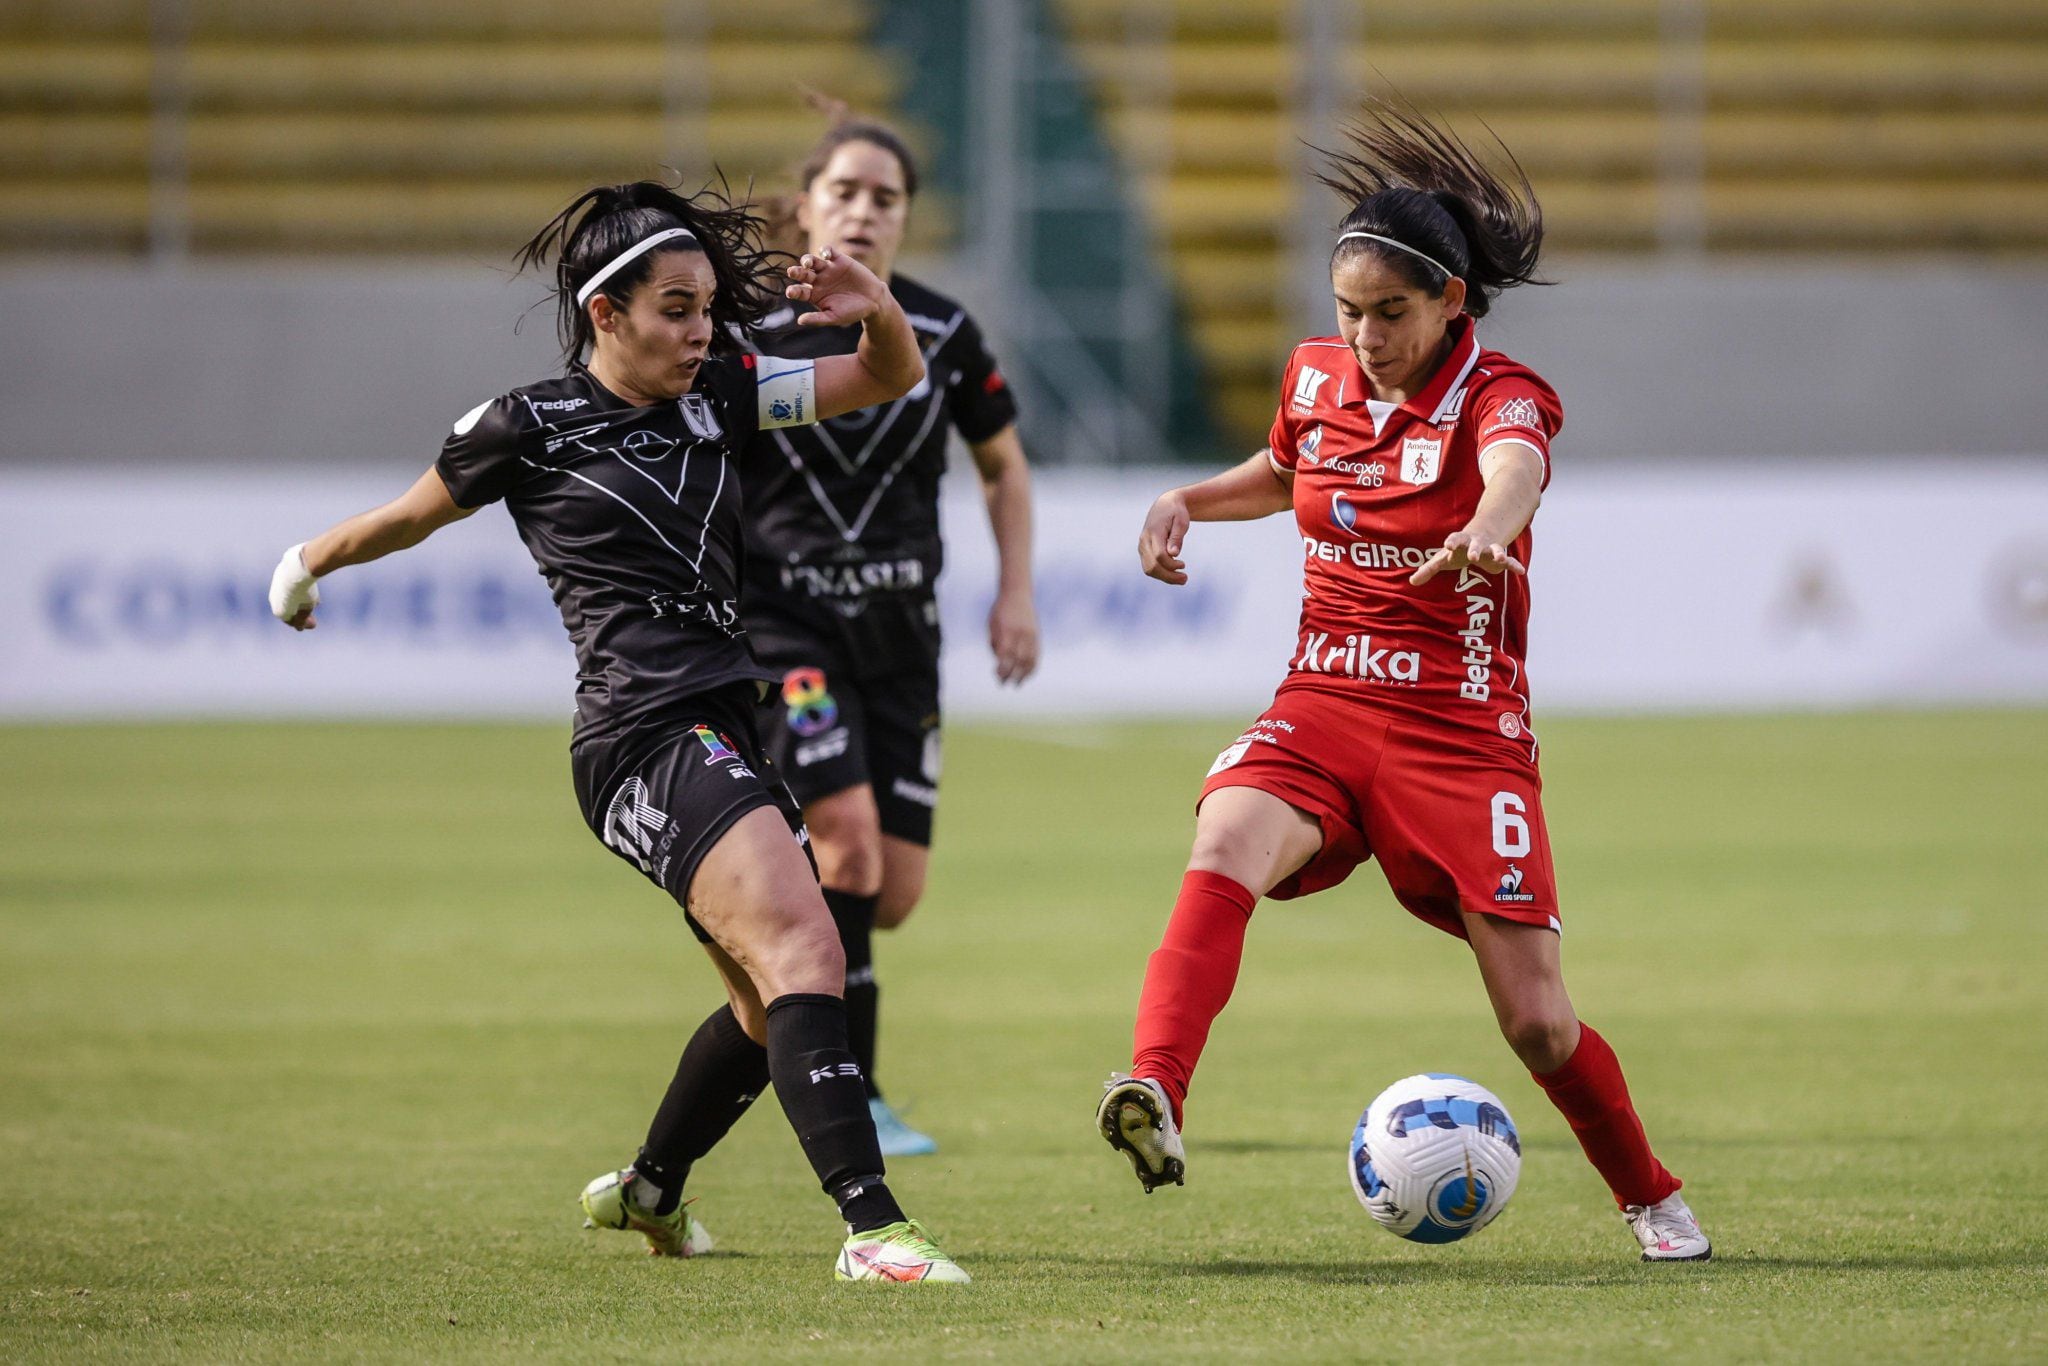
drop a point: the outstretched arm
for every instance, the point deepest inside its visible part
(1242, 493)
(400, 524)
(1006, 487)
(888, 363)
(1513, 472)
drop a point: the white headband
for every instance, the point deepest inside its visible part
(618, 262)
(1400, 246)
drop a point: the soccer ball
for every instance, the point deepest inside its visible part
(1435, 1158)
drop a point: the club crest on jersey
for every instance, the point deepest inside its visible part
(1310, 447)
(699, 417)
(1306, 384)
(1421, 459)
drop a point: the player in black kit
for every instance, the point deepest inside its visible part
(621, 479)
(842, 553)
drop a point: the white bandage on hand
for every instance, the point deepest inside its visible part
(292, 589)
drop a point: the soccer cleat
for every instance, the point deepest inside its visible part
(608, 1203)
(1137, 1119)
(896, 1252)
(897, 1138)
(1668, 1232)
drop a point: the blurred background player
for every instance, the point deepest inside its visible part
(843, 554)
(619, 476)
(1413, 460)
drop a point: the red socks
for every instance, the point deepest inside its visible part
(1590, 1092)
(1188, 980)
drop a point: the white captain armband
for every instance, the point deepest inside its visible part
(786, 391)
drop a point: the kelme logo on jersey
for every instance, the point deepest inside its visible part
(1309, 448)
(1305, 386)
(1510, 889)
(811, 708)
(1355, 657)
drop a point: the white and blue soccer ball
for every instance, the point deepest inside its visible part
(1435, 1158)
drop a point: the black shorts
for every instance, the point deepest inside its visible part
(661, 796)
(836, 722)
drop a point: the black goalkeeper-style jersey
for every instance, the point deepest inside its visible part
(845, 514)
(633, 515)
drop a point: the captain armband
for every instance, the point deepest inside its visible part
(786, 392)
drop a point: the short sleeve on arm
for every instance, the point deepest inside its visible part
(978, 398)
(480, 459)
(1280, 442)
(1519, 410)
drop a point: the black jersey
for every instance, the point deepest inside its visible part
(846, 512)
(633, 515)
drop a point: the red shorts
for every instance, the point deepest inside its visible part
(1456, 823)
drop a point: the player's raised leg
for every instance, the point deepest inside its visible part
(1246, 840)
(755, 895)
(1524, 977)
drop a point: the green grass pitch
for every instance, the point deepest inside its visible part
(309, 1036)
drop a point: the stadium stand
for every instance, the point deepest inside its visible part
(392, 126)
(1789, 126)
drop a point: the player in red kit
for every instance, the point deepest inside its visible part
(1413, 460)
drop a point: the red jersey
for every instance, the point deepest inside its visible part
(1377, 487)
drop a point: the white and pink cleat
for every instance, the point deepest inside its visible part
(1668, 1231)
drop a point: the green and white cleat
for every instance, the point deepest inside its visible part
(897, 1138)
(608, 1203)
(1137, 1120)
(896, 1252)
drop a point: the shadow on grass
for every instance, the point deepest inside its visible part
(1261, 1145)
(1511, 1272)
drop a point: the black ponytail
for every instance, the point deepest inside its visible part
(604, 221)
(1411, 181)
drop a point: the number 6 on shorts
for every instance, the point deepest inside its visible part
(1510, 829)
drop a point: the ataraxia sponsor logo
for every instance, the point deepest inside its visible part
(1361, 554)
(1479, 614)
(1309, 448)
(1367, 474)
(1355, 656)
(1306, 384)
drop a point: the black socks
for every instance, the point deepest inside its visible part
(855, 917)
(721, 1072)
(823, 1093)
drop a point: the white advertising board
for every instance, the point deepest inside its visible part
(1718, 586)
